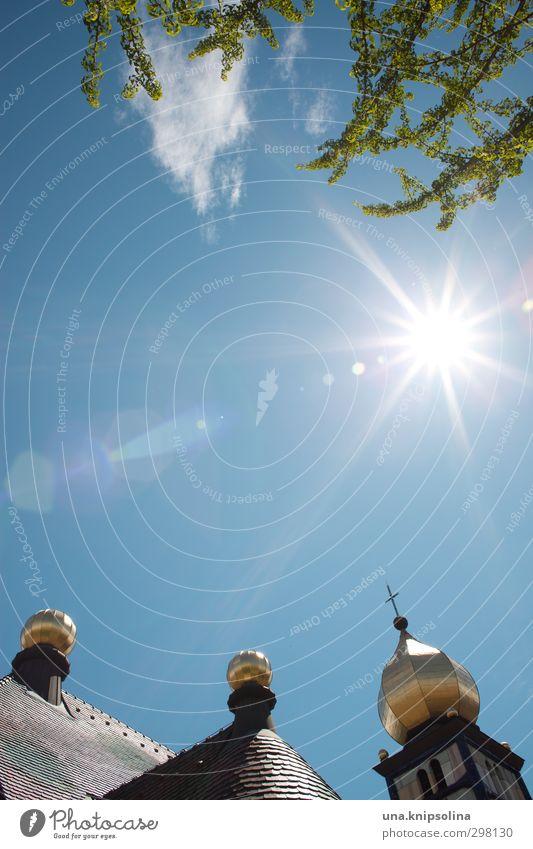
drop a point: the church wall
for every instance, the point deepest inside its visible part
(466, 793)
(451, 763)
(498, 779)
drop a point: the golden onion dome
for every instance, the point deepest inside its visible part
(420, 683)
(249, 667)
(50, 628)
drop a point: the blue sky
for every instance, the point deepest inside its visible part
(177, 256)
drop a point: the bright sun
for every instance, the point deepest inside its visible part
(439, 339)
(436, 338)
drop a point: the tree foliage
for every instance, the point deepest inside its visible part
(226, 26)
(394, 61)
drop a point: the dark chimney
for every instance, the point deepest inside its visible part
(42, 668)
(251, 705)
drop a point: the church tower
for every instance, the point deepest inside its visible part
(429, 704)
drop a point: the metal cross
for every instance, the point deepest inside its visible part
(391, 597)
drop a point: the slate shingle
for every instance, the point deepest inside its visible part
(49, 752)
(261, 766)
(74, 751)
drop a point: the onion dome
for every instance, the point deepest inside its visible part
(49, 628)
(249, 667)
(421, 683)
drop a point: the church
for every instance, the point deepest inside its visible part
(54, 745)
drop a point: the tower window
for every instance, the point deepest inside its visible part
(501, 780)
(438, 774)
(492, 772)
(425, 785)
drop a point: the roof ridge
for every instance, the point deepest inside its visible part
(118, 721)
(209, 739)
(6, 679)
(258, 765)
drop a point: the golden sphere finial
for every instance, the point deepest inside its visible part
(249, 667)
(383, 754)
(51, 628)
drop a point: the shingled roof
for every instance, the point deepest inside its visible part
(258, 766)
(70, 751)
(54, 745)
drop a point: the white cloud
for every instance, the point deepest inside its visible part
(319, 114)
(318, 110)
(293, 46)
(199, 118)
